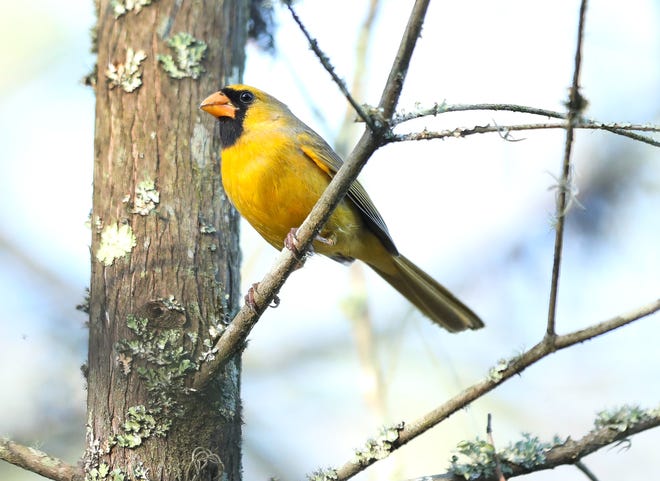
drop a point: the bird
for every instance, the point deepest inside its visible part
(274, 168)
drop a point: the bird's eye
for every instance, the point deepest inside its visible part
(246, 97)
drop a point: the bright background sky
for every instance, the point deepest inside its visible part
(475, 213)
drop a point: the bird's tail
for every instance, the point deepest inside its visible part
(431, 298)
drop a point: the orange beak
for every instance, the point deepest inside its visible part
(218, 105)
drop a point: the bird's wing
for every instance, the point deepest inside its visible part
(317, 150)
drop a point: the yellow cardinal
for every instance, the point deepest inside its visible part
(275, 168)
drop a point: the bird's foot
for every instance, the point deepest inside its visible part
(249, 298)
(291, 242)
(252, 303)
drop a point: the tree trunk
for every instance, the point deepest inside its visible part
(165, 250)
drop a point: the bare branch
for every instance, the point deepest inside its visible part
(504, 130)
(233, 338)
(394, 84)
(38, 462)
(623, 129)
(576, 105)
(502, 372)
(459, 132)
(437, 109)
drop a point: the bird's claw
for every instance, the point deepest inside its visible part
(249, 298)
(291, 242)
(252, 303)
(324, 240)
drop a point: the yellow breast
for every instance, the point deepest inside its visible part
(271, 183)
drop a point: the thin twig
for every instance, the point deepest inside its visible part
(233, 338)
(394, 84)
(38, 462)
(623, 129)
(575, 106)
(460, 132)
(437, 109)
(489, 433)
(325, 61)
(504, 129)
(587, 472)
(497, 376)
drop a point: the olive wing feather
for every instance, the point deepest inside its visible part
(319, 152)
